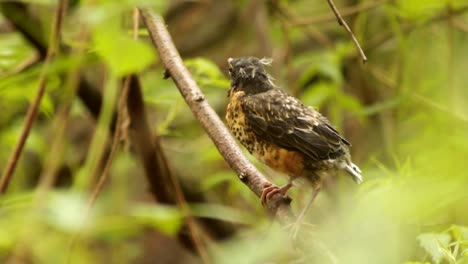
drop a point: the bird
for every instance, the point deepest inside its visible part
(281, 131)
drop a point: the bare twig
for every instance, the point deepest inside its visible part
(213, 125)
(118, 126)
(344, 12)
(115, 143)
(343, 23)
(34, 107)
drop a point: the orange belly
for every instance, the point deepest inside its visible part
(281, 160)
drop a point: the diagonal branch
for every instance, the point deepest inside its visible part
(343, 23)
(208, 118)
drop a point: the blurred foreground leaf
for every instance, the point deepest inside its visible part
(164, 218)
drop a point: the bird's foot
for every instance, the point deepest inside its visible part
(270, 190)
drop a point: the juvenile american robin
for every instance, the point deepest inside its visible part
(282, 132)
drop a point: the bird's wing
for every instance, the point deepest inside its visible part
(288, 123)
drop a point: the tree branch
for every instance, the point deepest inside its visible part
(344, 12)
(343, 23)
(146, 146)
(213, 125)
(34, 107)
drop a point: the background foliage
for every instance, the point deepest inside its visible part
(405, 112)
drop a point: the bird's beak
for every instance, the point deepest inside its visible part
(230, 61)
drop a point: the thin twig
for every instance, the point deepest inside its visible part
(34, 107)
(343, 23)
(208, 118)
(344, 13)
(115, 143)
(118, 127)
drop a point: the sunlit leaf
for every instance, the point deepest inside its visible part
(66, 211)
(435, 244)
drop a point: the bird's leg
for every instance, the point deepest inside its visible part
(271, 190)
(299, 220)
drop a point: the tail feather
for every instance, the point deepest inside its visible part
(355, 172)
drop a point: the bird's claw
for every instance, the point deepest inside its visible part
(270, 190)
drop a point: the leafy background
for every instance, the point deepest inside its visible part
(405, 112)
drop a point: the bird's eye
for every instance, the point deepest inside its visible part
(230, 70)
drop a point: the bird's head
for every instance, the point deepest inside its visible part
(248, 74)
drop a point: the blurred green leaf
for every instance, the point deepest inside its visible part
(420, 8)
(164, 218)
(206, 73)
(221, 212)
(216, 179)
(98, 13)
(65, 211)
(318, 93)
(13, 51)
(435, 244)
(122, 54)
(349, 103)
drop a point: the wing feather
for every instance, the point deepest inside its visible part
(288, 123)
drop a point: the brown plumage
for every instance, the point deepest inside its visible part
(279, 130)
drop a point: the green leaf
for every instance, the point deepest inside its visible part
(206, 73)
(65, 211)
(121, 53)
(216, 179)
(98, 13)
(381, 106)
(13, 51)
(420, 8)
(317, 94)
(221, 212)
(459, 232)
(435, 244)
(349, 103)
(164, 218)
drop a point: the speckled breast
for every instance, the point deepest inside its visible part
(279, 159)
(236, 122)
